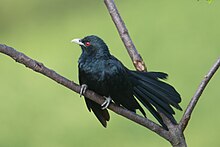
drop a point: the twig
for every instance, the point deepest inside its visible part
(40, 68)
(188, 112)
(125, 37)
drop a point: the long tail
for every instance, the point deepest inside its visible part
(155, 95)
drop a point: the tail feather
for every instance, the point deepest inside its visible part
(155, 94)
(153, 78)
(139, 96)
(158, 93)
(161, 89)
(154, 75)
(164, 108)
(155, 100)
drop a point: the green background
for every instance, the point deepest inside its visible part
(177, 37)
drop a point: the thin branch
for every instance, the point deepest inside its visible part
(188, 112)
(40, 68)
(125, 37)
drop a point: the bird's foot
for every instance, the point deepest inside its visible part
(106, 103)
(83, 89)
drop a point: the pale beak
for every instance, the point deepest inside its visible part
(77, 41)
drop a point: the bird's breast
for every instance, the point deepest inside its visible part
(104, 77)
(93, 70)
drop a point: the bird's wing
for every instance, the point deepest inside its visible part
(102, 115)
(121, 89)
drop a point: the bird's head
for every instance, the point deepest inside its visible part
(92, 45)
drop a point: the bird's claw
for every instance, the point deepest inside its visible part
(106, 103)
(83, 89)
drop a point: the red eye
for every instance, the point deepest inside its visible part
(87, 44)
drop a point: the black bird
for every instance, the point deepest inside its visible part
(104, 74)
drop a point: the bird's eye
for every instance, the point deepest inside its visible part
(87, 44)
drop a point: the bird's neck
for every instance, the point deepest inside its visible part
(89, 58)
(102, 54)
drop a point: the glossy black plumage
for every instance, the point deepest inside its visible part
(107, 76)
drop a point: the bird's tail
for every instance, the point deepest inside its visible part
(155, 95)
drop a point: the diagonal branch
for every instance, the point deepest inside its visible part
(125, 37)
(40, 68)
(188, 112)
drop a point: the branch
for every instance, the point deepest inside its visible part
(125, 37)
(40, 68)
(188, 112)
(176, 136)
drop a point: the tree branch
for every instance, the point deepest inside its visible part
(40, 68)
(188, 112)
(176, 136)
(125, 37)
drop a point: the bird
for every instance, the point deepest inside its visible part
(104, 74)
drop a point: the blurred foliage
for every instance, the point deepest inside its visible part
(209, 1)
(172, 36)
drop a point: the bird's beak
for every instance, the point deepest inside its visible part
(77, 41)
